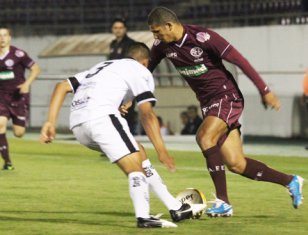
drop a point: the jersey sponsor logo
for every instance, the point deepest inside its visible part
(172, 55)
(7, 75)
(192, 71)
(203, 37)
(9, 63)
(80, 103)
(19, 53)
(208, 108)
(156, 42)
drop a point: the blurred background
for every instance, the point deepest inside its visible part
(68, 36)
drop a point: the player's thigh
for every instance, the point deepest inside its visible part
(131, 163)
(232, 151)
(3, 124)
(19, 131)
(209, 132)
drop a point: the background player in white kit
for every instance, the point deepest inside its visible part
(97, 123)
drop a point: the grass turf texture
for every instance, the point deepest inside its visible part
(68, 189)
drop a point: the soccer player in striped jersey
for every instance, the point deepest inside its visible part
(99, 95)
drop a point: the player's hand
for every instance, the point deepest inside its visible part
(270, 100)
(123, 110)
(24, 88)
(168, 161)
(48, 133)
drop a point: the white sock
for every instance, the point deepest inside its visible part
(139, 193)
(158, 187)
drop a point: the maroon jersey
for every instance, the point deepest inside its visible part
(198, 58)
(12, 68)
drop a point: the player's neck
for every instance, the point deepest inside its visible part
(4, 50)
(179, 32)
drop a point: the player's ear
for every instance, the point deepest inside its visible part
(169, 26)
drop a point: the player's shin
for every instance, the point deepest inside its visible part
(157, 185)
(4, 149)
(259, 171)
(216, 169)
(139, 193)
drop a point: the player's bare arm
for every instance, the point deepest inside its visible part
(48, 131)
(34, 72)
(151, 126)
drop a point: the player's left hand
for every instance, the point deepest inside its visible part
(270, 100)
(168, 161)
(48, 133)
(24, 88)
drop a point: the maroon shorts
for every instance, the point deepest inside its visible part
(15, 106)
(228, 108)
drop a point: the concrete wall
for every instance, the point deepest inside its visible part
(279, 53)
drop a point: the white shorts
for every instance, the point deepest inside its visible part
(109, 134)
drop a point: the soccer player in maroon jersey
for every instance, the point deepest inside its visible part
(14, 90)
(197, 53)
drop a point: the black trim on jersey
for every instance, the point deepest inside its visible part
(146, 95)
(122, 133)
(74, 82)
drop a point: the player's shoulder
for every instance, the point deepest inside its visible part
(200, 33)
(135, 67)
(17, 51)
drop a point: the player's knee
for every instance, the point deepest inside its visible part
(206, 140)
(19, 133)
(236, 167)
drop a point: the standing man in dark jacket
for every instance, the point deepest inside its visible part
(122, 42)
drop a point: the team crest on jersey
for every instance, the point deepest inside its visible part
(203, 37)
(19, 53)
(196, 52)
(9, 63)
(156, 42)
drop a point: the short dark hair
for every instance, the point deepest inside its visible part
(138, 50)
(119, 20)
(161, 16)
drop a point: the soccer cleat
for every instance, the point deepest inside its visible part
(186, 211)
(153, 222)
(8, 167)
(295, 190)
(220, 209)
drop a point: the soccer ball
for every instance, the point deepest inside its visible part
(192, 196)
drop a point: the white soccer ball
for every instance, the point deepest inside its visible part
(192, 196)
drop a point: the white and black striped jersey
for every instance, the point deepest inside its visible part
(101, 90)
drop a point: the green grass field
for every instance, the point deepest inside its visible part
(67, 189)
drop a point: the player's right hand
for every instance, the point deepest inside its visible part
(168, 161)
(48, 133)
(271, 100)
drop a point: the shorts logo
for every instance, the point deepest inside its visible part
(202, 37)
(206, 109)
(196, 52)
(9, 62)
(19, 53)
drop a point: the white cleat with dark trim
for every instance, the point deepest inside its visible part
(154, 222)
